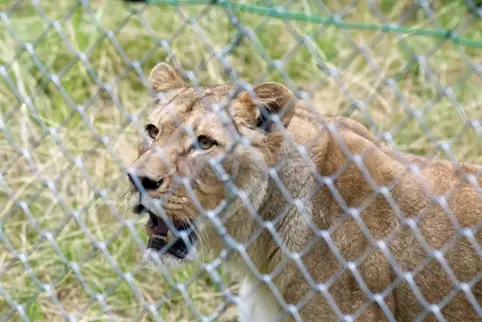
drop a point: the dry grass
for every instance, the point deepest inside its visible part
(44, 189)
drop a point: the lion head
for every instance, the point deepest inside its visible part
(204, 150)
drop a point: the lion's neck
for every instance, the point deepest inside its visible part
(276, 218)
(296, 203)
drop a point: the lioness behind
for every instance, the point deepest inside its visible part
(318, 219)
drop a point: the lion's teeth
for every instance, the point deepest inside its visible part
(160, 237)
(166, 238)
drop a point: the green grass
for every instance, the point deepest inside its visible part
(107, 65)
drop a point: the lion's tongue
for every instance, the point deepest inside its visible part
(160, 229)
(156, 226)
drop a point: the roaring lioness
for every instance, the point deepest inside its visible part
(318, 219)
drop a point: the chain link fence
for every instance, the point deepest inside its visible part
(74, 98)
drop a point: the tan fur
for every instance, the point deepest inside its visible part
(373, 240)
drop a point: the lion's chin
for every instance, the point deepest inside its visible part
(158, 260)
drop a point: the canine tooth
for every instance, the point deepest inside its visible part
(169, 236)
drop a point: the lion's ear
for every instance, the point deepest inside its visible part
(164, 79)
(270, 98)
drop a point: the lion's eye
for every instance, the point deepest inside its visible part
(205, 142)
(152, 131)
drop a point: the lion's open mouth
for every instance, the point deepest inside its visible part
(160, 235)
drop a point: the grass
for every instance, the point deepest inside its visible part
(68, 120)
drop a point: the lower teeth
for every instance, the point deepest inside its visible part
(165, 238)
(159, 237)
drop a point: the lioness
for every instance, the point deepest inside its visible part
(318, 219)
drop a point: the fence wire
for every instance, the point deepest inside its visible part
(74, 100)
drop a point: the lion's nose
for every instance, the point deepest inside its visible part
(144, 181)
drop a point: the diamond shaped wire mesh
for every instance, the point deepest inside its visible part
(74, 99)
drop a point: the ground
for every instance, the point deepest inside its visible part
(63, 147)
